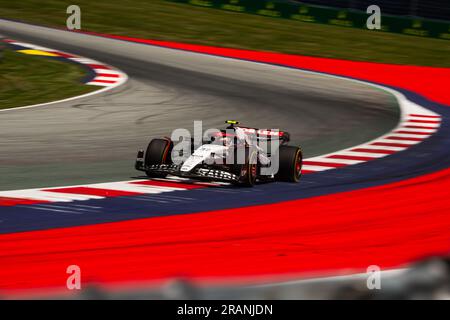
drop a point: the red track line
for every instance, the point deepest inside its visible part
(431, 82)
(355, 229)
(388, 226)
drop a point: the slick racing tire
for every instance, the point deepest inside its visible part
(158, 152)
(290, 164)
(249, 170)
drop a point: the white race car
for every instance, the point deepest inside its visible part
(237, 154)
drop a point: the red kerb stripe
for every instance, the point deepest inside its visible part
(419, 127)
(403, 138)
(95, 191)
(170, 184)
(338, 156)
(104, 81)
(423, 121)
(423, 116)
(63, 54)
(387, 144)
(98, 66)
(413, 132)
(324, 164)
(9, 202)
(373, 150)
(109, 75)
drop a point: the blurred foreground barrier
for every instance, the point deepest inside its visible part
(426, 280)
(333, 16)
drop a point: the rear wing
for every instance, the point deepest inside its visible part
(260, 134)
(267, 133)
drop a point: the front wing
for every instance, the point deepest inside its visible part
(196, 173)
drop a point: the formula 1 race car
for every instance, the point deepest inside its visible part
(237, 154)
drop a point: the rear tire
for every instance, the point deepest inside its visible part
(290, 164)
(158, 152)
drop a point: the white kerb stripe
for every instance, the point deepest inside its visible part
(432, 125)
(406, 135)
(408, 142)
(106, 78)
(332, 160)
(123, 186)
(362, 154)
(101, 84)
(85, 60)
(31, 46)
(375, 147)
(108, 71)
(315, 168)
(417, 130)
(47, 196)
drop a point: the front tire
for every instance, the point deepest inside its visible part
(290, 164)
(158, 152)
(249, 170)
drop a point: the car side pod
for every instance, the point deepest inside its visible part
(139, 164)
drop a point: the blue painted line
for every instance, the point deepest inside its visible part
(431, 155)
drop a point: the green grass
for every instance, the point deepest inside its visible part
(26, 80)
(159, 19)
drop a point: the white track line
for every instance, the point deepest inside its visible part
(412, 116)
(105, 86)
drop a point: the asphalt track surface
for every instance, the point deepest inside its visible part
(95, 139)
(235, 232)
